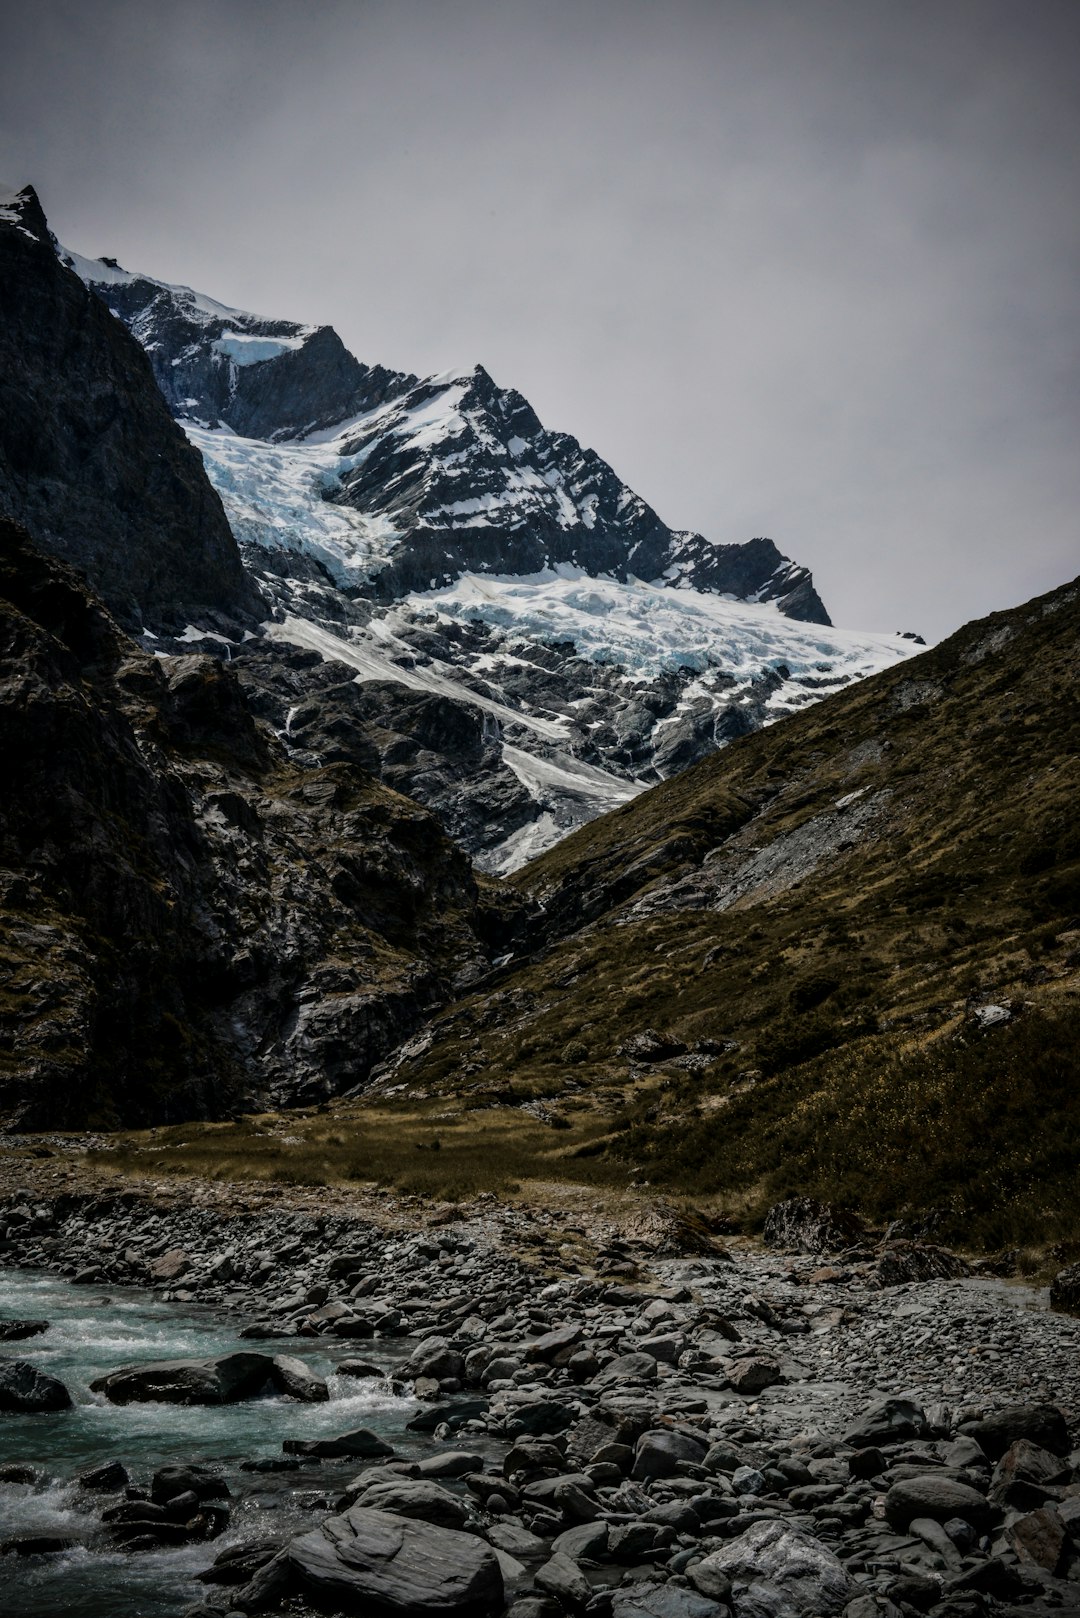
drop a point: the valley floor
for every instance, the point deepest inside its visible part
(641, 1420)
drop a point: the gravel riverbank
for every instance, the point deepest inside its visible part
(618, 1424)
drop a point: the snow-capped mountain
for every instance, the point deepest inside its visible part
(474, 607)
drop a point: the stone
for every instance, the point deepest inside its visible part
(170, 1482)
(634, 1367)
(1040, 1424)
(554, 1342)
(219, 1381)
(238, 1563)
(104, 1479)
(292, 1377)
(16, 1331)
(939, 1499)
(563, 1579)
(1039, 1538)
(585, 1542)
(397, 1567)
(893, 1421)
(361, 1441)
(781, 1572)
(1026, 1463)
(170, 1266)
(902, 1262)
(416, 1497)
(359, 1368)
(662, 1601)
(657, 1453)
(26, 1391)
(1065, 1290)
(450, 1463)
(434, 1358)
(806, 1226)
(754, 1374)
(650, 1046)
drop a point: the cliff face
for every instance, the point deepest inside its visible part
(188, 920)
(90, 458)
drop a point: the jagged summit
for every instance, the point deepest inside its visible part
(204, 355)
(421, 578)
(455, 472)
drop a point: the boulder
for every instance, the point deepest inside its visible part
(16, 1331)
(755, 1373)
(658, 1453)
(1039, 1538)
(663, 1601)
(419, 1498)
(26, 1391)
(650, 1046)
(562, 1578)
(1041, 1424)
(902, 1262)
(292, 1377)
(893, 1421)
(435, 1358)
(806, 1226)
(384, 1566)
(1065, 1290)
(219, 1381)
(172, 1482)
(939, 1499)
(361, 1441)
(780, 1572)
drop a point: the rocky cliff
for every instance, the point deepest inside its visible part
(91, 460)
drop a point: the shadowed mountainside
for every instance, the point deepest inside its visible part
(189, 919)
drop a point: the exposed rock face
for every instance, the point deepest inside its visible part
(512, 498)
(90, 459)
(263, 378)
(189, 916)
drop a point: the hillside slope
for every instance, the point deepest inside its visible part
(843, 955)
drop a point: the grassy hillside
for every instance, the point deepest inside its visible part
(817, 922)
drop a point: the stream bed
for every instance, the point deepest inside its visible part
(93, 1330)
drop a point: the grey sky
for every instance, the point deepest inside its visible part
(806, 268)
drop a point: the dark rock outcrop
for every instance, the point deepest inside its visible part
(90, 459)
(24, 1390)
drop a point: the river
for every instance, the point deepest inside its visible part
(93, 1330)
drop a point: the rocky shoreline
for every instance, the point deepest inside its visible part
(624, 1423)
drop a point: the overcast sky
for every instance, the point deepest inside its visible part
(805, 268)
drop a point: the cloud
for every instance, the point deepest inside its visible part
(805, 270)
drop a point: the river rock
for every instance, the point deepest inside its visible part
(223, 1380)
(781, 1572)
(419, 1498)
(386, 1566)
(755, 1373)
(893, 1421)
(292, 1377)
(562, 1578)
(663, 1601)
(1039, 1538)
(938, 1498)
(1041, 1424)
(16, 1331)
(658, 1453)
(171, 1482)
(361, 1441)
(24, 1390)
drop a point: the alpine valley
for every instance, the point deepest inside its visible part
(442, 905)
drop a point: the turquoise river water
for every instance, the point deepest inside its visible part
(92, 1331)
